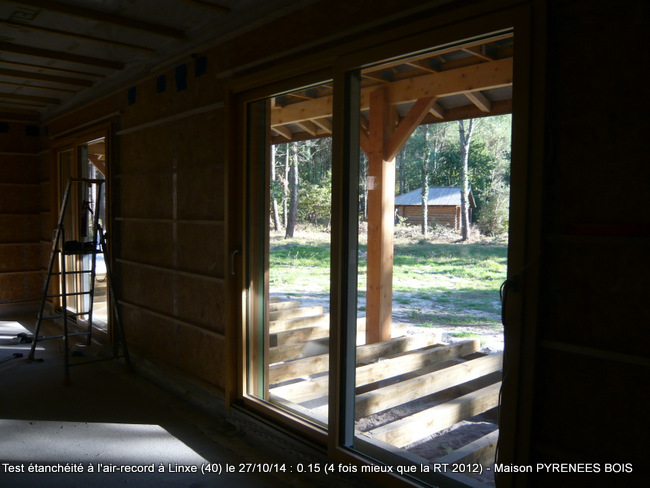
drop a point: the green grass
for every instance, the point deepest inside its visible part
(450, 284)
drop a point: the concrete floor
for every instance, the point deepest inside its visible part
(111, 418)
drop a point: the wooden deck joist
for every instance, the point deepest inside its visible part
(422, 424)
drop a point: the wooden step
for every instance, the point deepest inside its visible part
(422, 424)
(295, 312)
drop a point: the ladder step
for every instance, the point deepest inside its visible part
(58, 273)
(68, 294)
(61, 336)
(60, 315)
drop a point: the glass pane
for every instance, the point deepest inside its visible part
(429, 335)
(92, 161)
(67, 170)
(290, 150)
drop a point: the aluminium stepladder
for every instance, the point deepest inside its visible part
(63, 248)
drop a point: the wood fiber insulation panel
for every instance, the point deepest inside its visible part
(19, 257)
(588, 415)
(20, 228)
(19, 198)
(146, 196)
(146, 242)
(19, 168)
(201, 193)
(16, 141)
(149, 150)
(88, 116)
(18, 287)
(200, 302)
(201, 354)
(200, 248)
(197, 144)
(596, 295)
(151, 335)
(45, 197)
(595, 150)
(146, 287)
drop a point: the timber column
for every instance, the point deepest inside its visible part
(381, 203)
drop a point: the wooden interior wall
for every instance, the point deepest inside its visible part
(169, 201)
(593, 358)
(21, 204)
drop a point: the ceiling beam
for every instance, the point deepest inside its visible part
(473, 78)
(480, 100)
(37, 87)
(64, 80)
(283, 131)
(104, 17)
(52, 68)
(75, 35)
(437, 111)
(9, 47)
(324, 124)
(308, 127)
(29, 98)
(210, 5)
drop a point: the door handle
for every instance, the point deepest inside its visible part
(232, 260)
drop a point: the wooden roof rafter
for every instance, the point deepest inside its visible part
(104, 17)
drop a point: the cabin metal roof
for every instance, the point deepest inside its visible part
(438, 195)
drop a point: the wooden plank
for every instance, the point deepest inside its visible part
(421, 386)
(299, 335)
(407, 125)
(478, 77)
(298, 323)
(64, 80)
(105, 17)
(422, 424)
(296, 351)
(480, 100)
(480, 451)
(319, 363)
(388, 368)
(278, 305)
(297, 312)
(9, 47)
(391, 367)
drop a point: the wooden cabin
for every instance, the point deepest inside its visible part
(443, 206)
(182, 101)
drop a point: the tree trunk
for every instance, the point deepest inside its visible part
(274, 203)
(285, 186)
(465, 141)
(293, 182)
(425, 181)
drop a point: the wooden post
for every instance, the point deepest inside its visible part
(385, 138)
(381, 202)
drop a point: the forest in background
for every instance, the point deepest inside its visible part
(433, 156)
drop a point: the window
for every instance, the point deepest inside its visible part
(85, 157)
(403, 374)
